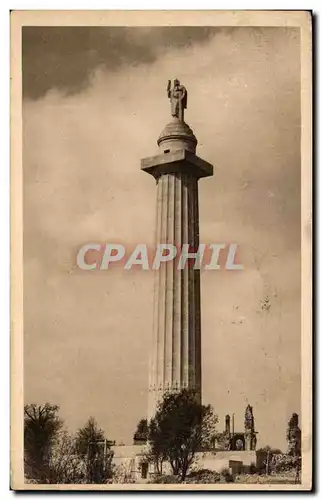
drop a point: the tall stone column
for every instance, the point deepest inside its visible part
(175, 361)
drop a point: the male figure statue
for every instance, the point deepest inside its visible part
(178, 98)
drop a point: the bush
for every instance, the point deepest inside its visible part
(253, 469)
(227, 475)
(283, 462)
(204, 476)
(165, 479)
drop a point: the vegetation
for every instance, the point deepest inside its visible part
(53, 456)
(180, 428)
(142, 430)
(42, 428)
(201, 476)
(294, 440)
(92, 447)
(227, 475)
(266, 458)
(65, 466)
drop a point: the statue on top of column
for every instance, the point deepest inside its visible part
(178, 97)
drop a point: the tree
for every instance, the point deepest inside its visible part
(141, 433)
(95, 450)
(41, 431)
(266, 457)
(157, 452)
(222, 441)
(282, 462)
(66, 466)
(180, 428)
(293, 436)
(294, 439)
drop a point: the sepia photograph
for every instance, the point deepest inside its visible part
(161, 250)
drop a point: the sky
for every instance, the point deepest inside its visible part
(94, 104)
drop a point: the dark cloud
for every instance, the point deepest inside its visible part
(66, 57)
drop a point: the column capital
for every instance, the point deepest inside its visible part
(179, 161)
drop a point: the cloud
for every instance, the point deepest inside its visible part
(66, 58)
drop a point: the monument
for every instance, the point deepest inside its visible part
(176, 343)
(176, 334)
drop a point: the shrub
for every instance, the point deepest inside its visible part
(163, 479)
(253, 469)
(227, 475)
(204, 476)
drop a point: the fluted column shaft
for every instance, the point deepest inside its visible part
(176, 344)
